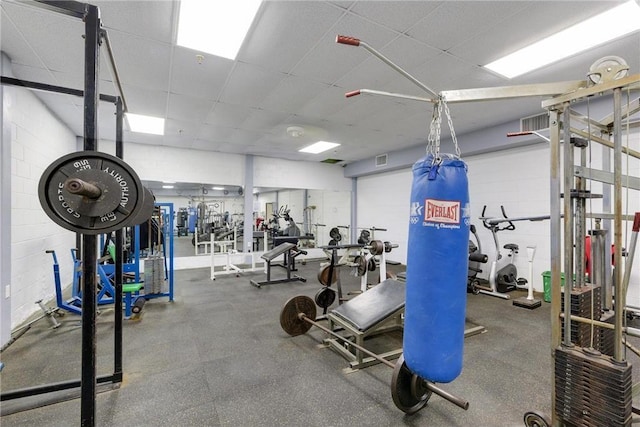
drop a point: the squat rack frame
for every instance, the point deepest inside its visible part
(561, 94)
(93, 36)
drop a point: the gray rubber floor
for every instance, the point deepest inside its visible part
(217, 356)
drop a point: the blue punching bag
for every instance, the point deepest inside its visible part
(437, 262)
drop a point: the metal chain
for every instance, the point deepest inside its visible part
(453, 133)
(433, 146)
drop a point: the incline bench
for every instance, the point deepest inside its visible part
(290, 251)
(372, 312)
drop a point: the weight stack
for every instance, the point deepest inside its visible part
(153, 275)
(591, 389)
(160, 282)
(148, 276)
(581, 305)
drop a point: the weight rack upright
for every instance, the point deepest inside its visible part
(588, 370)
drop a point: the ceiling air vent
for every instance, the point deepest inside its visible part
(331, 161)
(381, 160)
(534, 123)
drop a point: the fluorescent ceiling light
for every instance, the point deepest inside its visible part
(215, 26)
(167, 186)
(168, 182)
(318, 147)
(217, 188)
(612, 24)
(145, 124)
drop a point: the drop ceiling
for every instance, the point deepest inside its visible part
(290, 72)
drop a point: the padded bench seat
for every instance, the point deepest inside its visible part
(373, 306)
(376, 311)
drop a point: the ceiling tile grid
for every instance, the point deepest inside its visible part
(290, 70)
(249, 84)
(153, 20)
(200, 77)
(286, 31)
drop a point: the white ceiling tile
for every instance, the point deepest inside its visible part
(204, 79)
(325, 103)
(151, 19)
(214, 133)
(145, 101)
(43, 31)
(228, 115)
(188, 108)
(141, 62)
(248, 85)
(181, 128)
(328, 61)
(456, 21)
(283, 36)
(388, 14)
(291, 94)
(263, 120)
(547, 17)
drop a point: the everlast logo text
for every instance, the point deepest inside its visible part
(442, 211)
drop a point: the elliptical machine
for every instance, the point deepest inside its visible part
(503, 275)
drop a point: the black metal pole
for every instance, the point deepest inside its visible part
(117, 339)
(89, 254)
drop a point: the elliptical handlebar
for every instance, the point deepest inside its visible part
(493, 224)
(511, 225)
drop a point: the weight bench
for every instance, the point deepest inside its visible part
(290, 252)
(378, 310)
(375, 311)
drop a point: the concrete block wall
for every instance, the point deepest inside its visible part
(38, 138)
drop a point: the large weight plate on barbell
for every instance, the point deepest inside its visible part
(116, 180)
(290, 319)
(407, 393)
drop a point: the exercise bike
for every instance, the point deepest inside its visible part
(503, 274)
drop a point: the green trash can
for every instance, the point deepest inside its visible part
(546, 284)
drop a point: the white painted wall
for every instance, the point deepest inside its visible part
(280, 173)
(38, 138)
(160, 163)
(518, 179)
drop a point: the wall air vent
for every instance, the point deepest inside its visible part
(381, 160)
(534, 123)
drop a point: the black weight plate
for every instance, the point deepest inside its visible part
(334, 233)
(323, 275)
(401, 393)
(106, 169)
(108, 200)
(148, 205)
(371, 265)
(361, 265)
(290, 319)
(325, 297)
